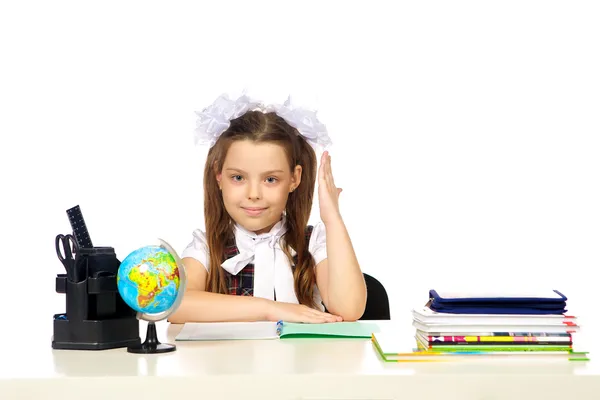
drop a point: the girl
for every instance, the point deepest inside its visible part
(258, 259)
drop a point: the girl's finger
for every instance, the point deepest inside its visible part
(321, 172)
(318, 313)
(322, 315)
(329, 174)
(317, 319)
(330, 317)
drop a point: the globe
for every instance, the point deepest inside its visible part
(151, 280)
(148, 280)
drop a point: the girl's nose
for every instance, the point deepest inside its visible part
(253, 192)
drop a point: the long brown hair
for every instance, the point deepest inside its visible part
(262, 127)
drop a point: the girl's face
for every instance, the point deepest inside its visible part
(256, 182)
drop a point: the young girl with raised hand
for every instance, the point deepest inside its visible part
(258, 259)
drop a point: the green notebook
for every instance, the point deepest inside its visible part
(274, 330)
(361, 330)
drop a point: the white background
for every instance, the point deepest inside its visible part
(465, 133)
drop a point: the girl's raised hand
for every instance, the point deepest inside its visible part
(328, 192)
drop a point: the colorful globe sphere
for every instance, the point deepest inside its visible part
(149, 279)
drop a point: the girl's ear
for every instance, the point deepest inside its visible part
(296, 178)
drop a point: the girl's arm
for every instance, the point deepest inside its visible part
(201, 306)
(339, 277)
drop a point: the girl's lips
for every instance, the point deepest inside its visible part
(253, 211)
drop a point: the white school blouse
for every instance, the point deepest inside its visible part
(273, 276)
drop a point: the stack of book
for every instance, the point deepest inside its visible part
(453, 326)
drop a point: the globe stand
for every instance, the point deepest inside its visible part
(151, 345)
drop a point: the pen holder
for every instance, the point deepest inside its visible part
(96, 316)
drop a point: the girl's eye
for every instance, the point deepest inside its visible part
(272, 179)
(237, 178)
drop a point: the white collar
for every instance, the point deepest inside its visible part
(272, 271)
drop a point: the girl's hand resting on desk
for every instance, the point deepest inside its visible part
(300, 313)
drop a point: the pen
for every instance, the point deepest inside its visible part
(279, 327)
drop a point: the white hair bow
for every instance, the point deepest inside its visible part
(215, 119)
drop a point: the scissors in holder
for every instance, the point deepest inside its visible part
(70, 248)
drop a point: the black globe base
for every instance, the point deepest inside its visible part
(151, 345)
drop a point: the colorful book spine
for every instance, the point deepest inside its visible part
(497, 339)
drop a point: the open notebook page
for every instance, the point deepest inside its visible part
(269, 330)
(329, 330)
(228, 331)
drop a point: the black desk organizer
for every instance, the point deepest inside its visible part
(96, 316)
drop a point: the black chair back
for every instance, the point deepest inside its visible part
(378, 304)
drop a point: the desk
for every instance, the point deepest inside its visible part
(277, 370)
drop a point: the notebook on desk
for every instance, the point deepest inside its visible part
(274, 330)
(400, 347)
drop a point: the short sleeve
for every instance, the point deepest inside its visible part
(317, 245)
(198, 248)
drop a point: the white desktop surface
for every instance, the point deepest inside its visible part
(275, 369)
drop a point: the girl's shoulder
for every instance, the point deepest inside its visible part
(317, 241)
(197, 248)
